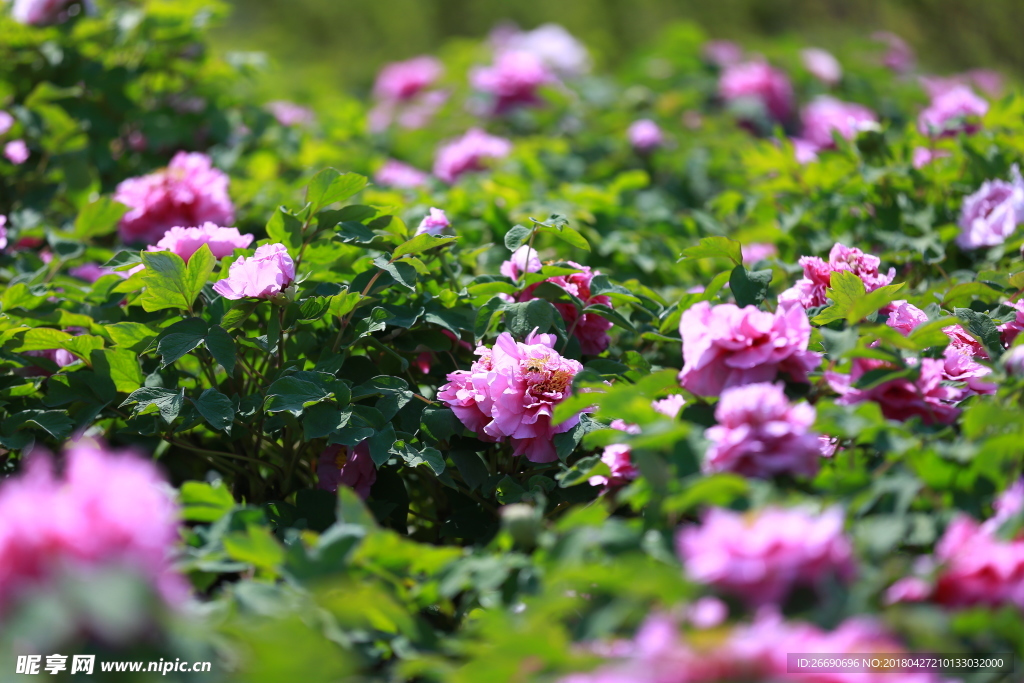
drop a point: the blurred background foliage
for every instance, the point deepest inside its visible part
(342, 43)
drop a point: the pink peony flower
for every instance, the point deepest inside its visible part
(762, 556)
(760, 82)
(396, 174)
(809, 291)
(402, 81)
(722, 53)
(109, 509)
(555, 47)
(954, 110)
(905, 317)
(3, 232)
(670, 406)
(899, 57)
(759, 434)
(757, 251)
(186, 241)
(433, 223)
(468, 153)
(264, 274)
(726, 346)
(42, 12)
(805, 151)
(901, 399)
(645, 136)
(513, 80)
(826, 115)
(338, 465)
(510, 393)
(6, 122)
(924, 156)
(590, 329)
(523, 260)
(91, 272)
(1013, 361)
(1010, 330)
(618, 458)
(822, 65)
(290, 114)
(16, 152)
(188, 193)
(989, 216)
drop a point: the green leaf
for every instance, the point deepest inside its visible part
(172, 284)
(202, 502)
(54, 422)
(573, 237)
(716, 247)
(217, 409)
(238, 314)
(872, 302)
(176, 345)
(523, 318)
(420, 244)
(255, 546)
(846, 288)
(982, 328)
(292, 395)
(328, 186)
(121, 366)
(471, 468)
(381, 444)
(99, 218)
(440, 423)
(749, 287)
(123, 258)
(314, 308)
(323, 419)
(166, 401)
(403, 273)
(517, 236)
(285, 228)
(221, 346)
(132, 336)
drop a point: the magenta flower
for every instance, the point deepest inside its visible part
(3, 232)
(955, 110)
(263, 275)
(469, 153)
(759, 434)
(511, 392)
(16, 152)
(590, 329)
(513, 80)
(762, 556)
(433, 223)
(523, 260)
(722, 53)
(645, 136)
(189, 192)
(822, 65)
(905, 317)
(758, 251)
(924, 156)
(1013, 361)
(6, 122)
(670, 406)
(555, 47)
(901, 399)
(726, 346)
(989, 216)
(618, 457)
(91, 272)
(290, 114)
(402, 81)
(340, 466)
(826, 115)
(760, 82)
(42, 12)
(396, 174)
(809, 291)
(109, 509)
(186, 241)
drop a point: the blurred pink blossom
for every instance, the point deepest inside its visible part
(468, 153)
(722, 53)
(6, 122)
(396, 174)
(513, 80)
(924, 156)
(761, 82)
(618, 458)
(670, 406)
(758, 251)
(433, 223)
(645, 136)
(822, 65)
(16, 152)
(899, 57)
(555, 47)
(523, 260)
(954, 110)
(290, 114)
(925, 396)
(343, 466)
(827, 115)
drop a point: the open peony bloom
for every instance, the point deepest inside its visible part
(989, 216)
(618, 457)
(290, 114)
(726, 346)
(513, 80)
(827, 115)
(523, 260)
(433, 223)
(954, 110)
(189, 192)
(266, 273)
(762, 556)
(809, 291)
(901, 399)
(16, 152)
(822, 65)
(670, 406)
(645, 136)
(511, 391)
(109, 509)
(396, 174)
(759, 434)
(555, 47)
(590, 329)
(186, 241)
(343, 466)
(761, 82)
(468, 153)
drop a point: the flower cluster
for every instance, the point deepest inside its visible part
(809, 291)
(263, 275)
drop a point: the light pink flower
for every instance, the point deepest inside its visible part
(899, 57)
(264, 274)
(722, 53)
(91, 272)
(1009, 331)
(707, 612)
(670, 406)
(396, 174)
(513, 80)
(758, 251)
(924, 156)
(989, 216)
(16, 152)
(6, 122)
(402, 81)
(186, 241)
(188, 193)
(645, 136)
(550, 43)
(805, 151)
(954, 110)
(759, 434)
(828, 445)
(511, 391)
(762, 556)
(433, 223)
(339, 465)
(3, 232)
(760, 82)
(1013, 361)
(523, 260)
(726, 346)
(290, 114)
(989, 81)
(109, 509)
(42, 12)
(618, 457)
(905, 317)
(822, 65)
(809, 291)
(590, 329)
(901, 399)
(469, 153)
(827, 115)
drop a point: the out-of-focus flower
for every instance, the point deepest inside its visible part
(16, 152)
(396, 174)
(91, 272)
(726, 346)
(822, 65)
(550, 43)
(433, 223)
(523, 260)
(670, 406)
(108, 510)
(953, 111)
(810, 290)
(189, 192)
(759, 434)
(722, 53)
(618, 458)
(290, 114)
(513, 80)
(341, 466)
(758, 251)
(3, 232)
(901, 399)
(403, 81)
(707, 612)
(1013, 361)
(990, 215)
(805, 151)
(511, 392)
(264, 274)
(186, 241)
(990, 82)
(924, 156)
(645, 136)
(899, 57)
(762, 556)
(469, 153)
(590, 329)
(6, 122)
(827, 115)
(43, 12)
(760, 82)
